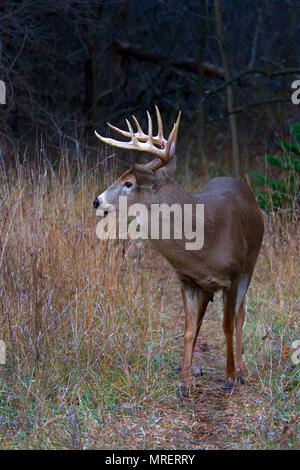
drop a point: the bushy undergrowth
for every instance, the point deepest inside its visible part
(282, 192)
(93, 331)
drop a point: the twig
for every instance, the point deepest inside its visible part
(250, 72)
(252, 105)
(255, 41)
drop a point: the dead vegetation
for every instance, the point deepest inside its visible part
(94, 333)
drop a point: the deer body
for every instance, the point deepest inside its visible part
(233, 232)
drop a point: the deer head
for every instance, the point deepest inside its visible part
(137, 181)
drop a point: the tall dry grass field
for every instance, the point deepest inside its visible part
(94, 332)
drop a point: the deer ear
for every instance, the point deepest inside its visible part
(144, 176)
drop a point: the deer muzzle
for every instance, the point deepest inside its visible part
(102, 207)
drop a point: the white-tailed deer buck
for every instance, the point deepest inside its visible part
(233, 232)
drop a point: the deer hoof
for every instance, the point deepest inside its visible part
(195, 371)
(240, 377)
(183, 391)
(229, 384)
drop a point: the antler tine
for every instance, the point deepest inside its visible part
(138, 126)
(160, 133)
(120, 131)
(134, 139)
(171, 144)
(150, 129)
(147, 143)
(140, 135)
(115, 143)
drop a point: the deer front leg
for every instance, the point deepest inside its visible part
(194, 306)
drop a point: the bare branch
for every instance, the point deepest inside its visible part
(250, 72)
(252, 105)
(187, 63)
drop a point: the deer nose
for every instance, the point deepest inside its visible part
(96, 203)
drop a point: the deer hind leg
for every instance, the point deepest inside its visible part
(228, 328)
(201, 312)
(195, 304)
(239, 322)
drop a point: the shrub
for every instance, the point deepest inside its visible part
(284, 192)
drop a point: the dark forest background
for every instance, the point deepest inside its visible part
(70, 66)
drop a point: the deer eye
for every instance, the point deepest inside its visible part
(128, 184)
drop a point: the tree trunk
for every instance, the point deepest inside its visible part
(230, 95)
(200, 84)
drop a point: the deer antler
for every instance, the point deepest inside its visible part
(158, 145)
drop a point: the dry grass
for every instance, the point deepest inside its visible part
(94, 333)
